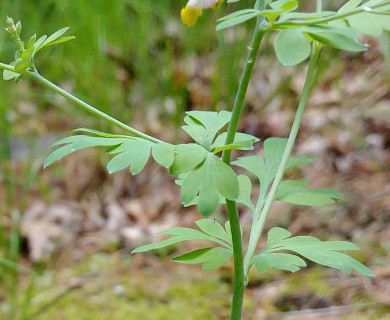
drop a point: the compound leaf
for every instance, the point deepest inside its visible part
(133, 154)
(298, 192)
(281, 261)
(79, 142)
(211, 258)
(213, 228)
(212, 122)
(322, 252)
(187, 156)
(180, 234)
(265, 168)
(209, 180)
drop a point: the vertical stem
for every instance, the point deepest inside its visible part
(307, 88)
(318, 5)
(238, 260)
(239, 275)
(253, 49)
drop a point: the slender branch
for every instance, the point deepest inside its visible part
(332, 17)
(81, 104)
(259, 224)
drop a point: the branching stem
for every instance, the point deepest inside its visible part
(258, 223)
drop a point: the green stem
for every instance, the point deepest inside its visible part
(238, 260)
(241, 91)
(333, 17)
(81, 104)
(318, 6)
(239, 276)
(259, 224)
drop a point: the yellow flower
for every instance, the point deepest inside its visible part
(193, 10)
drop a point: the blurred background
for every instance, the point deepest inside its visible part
(66, 232)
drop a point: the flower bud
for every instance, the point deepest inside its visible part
(11, 28)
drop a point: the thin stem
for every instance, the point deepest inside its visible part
(318, 6)
(259, 224)
(85, 106)
(81, 104)
(238, 105)
(332, 17)
(239, 276)
(238, 260)
(6, 67)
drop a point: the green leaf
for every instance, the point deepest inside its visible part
(181, 234)
(213, 228)
(339, 38)
(211, 258)
(79, 142)
(284, 5)
(39, 42)
(9, 75)
(158, 245)
(366, 23)
(275, 235)
(281, 261)
(163, 153)
(349, 5)
(322, 252)
(133, 154)
(292, 46)
(242, 141)
(264, 168)
(225, 178)
(61, 40)
(194, 257)
(298, 192)
(128, 151)
(196, 131)
(187, 156)
(209, 180)
(193, 234)
(245, 192)
(334, 260)
(212, 122)
(237, 18)
(55, 38)
(220, 257)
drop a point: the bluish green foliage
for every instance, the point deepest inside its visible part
(324, 253)
(210, 230)
(203, 177)
(206, 177)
